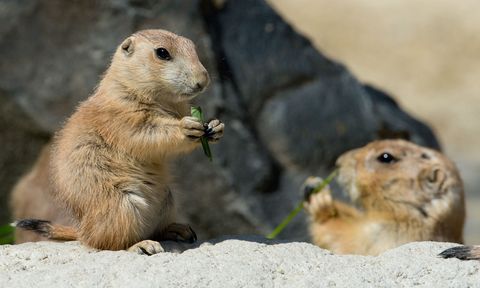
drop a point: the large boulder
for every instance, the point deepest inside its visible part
(20, 140)
(246, 262)
(289, 110)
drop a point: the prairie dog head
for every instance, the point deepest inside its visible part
(399, 176)
(160, 64)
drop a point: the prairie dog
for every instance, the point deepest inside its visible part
(109, 163)
(405, 193)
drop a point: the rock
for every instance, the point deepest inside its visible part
(289, 110)
(396, 123)
(45, 78)
(244, 262)
(319, 111)
(298, 111)
(73, 45)
(21, 139)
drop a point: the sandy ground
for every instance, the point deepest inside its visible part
(246, 262)
(426, 53)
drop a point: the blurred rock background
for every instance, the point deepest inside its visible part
(426, 53)
(289, 110)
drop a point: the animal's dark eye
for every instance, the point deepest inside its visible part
(163, 54)
(386, 158)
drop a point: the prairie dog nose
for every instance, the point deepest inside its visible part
(202, 80)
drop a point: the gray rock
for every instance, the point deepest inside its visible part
(317, 111)
(298, 110)
(20, 140)
(53, 55)
(289, 110)
(245, 262)
(396, 123)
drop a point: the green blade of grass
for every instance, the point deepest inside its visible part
(285, 221)
(325, 182)
(7, 234)
(299, 207)
(6, 230)
(7, 240)
(197, 113)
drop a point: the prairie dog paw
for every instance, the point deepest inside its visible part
(310, 185)
(318, 205)
(146, 247)
(192, 128)
(214, 130)
(180, 233)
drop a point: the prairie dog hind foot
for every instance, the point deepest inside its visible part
(179, 233)
(146, 247)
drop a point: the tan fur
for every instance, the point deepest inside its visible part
(419, 197)
(473, 253)
(109, 163)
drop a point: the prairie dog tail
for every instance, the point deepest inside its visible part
(47, 229)
(462, 253)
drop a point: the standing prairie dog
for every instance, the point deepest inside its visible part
(109, 163)
(405, 193)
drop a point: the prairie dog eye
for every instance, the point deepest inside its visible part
(163, 54)
(386, 158)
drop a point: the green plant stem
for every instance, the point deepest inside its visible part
(285, 221)
(197, 113)
(7, 240)
(7, 234)
(299, 207)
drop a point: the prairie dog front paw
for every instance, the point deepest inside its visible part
(214, 130)
(310, 185)
(319, 205)
(192, 128)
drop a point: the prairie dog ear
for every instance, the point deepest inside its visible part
(127, 46)
(432, 179)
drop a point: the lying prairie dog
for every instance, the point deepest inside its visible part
(405, 193)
